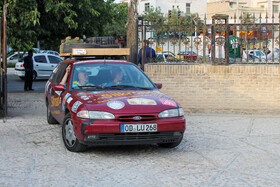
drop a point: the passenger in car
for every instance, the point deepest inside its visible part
(83, 80)
(117, 78)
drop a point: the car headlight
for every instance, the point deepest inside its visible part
(171, 113)
(95, 115)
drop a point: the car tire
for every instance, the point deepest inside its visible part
(50, 118)
(22, 78)
(34, 76)
(170, 145)
(69, 138)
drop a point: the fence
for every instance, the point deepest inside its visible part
(248, 39)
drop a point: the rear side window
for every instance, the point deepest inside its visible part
(54, 60)
(40, 59)
(54, 71)
(60, 73)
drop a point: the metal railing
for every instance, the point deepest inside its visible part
(177, 39)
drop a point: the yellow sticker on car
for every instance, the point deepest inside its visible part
(141, 101)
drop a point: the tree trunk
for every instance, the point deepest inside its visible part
(131, 31)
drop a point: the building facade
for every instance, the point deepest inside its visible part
(238, 7)
(185, 6)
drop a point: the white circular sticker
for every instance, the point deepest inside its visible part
(115, 105)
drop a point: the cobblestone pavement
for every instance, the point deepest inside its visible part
(217, 150)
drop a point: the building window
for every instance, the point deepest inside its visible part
(188, 8)
(147, 6)
(231, 4)
(275, 9)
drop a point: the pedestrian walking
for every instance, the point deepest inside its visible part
(235, 50)
(150, 53)
(28, 66)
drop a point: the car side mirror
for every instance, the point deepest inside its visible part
(59, 87)
(158, 85)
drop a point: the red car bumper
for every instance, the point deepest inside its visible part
(108, 132)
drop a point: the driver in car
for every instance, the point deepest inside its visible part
(83, 79)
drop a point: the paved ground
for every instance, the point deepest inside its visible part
(15, 84)
(218, 150)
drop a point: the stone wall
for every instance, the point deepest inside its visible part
(221, 89)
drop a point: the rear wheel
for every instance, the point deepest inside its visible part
(50, 118)
(170, 145)
(69, 137)
(34, 76)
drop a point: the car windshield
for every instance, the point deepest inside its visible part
(109, 76)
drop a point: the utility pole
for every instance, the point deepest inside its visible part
(4, 61)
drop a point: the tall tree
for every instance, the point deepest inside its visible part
(49, 21)
(22, 18)
(116, 25)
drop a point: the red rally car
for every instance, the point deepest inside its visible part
(111, 102)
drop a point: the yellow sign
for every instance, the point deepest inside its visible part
(158, 49)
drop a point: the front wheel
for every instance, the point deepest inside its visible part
(69, 137)
(50, 118)
(170, 145)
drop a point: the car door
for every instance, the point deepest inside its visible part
(53, 61)
(42, 66)
(56, 100)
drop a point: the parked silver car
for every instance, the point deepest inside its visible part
(43, 65)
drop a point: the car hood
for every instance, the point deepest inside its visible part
(126, 101)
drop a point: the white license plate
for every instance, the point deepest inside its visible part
(150, 127)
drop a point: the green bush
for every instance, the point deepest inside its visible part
(11, 65)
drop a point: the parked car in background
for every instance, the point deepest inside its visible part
(50, 52)
(43, 65)
(187, 55)
(256, 54)
(171, 55)
(167, 56)
(14, 58)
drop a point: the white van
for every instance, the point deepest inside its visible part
(43, 65)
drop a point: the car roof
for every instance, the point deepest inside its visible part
(46, 54)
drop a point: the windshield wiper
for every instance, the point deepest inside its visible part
(87, 86)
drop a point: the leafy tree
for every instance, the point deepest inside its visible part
(71, 18)
(116, 26)
(177, 22)
(49, 21)
(22, 18)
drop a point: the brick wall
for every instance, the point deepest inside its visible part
(221, 89)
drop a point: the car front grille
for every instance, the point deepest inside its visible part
(133, 118)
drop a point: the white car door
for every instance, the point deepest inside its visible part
(53, 61)
(41, 65)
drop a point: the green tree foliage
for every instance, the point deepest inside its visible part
(72, 18)
(172, 22)
(22, 19)
(116, 26)
(49, 21)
